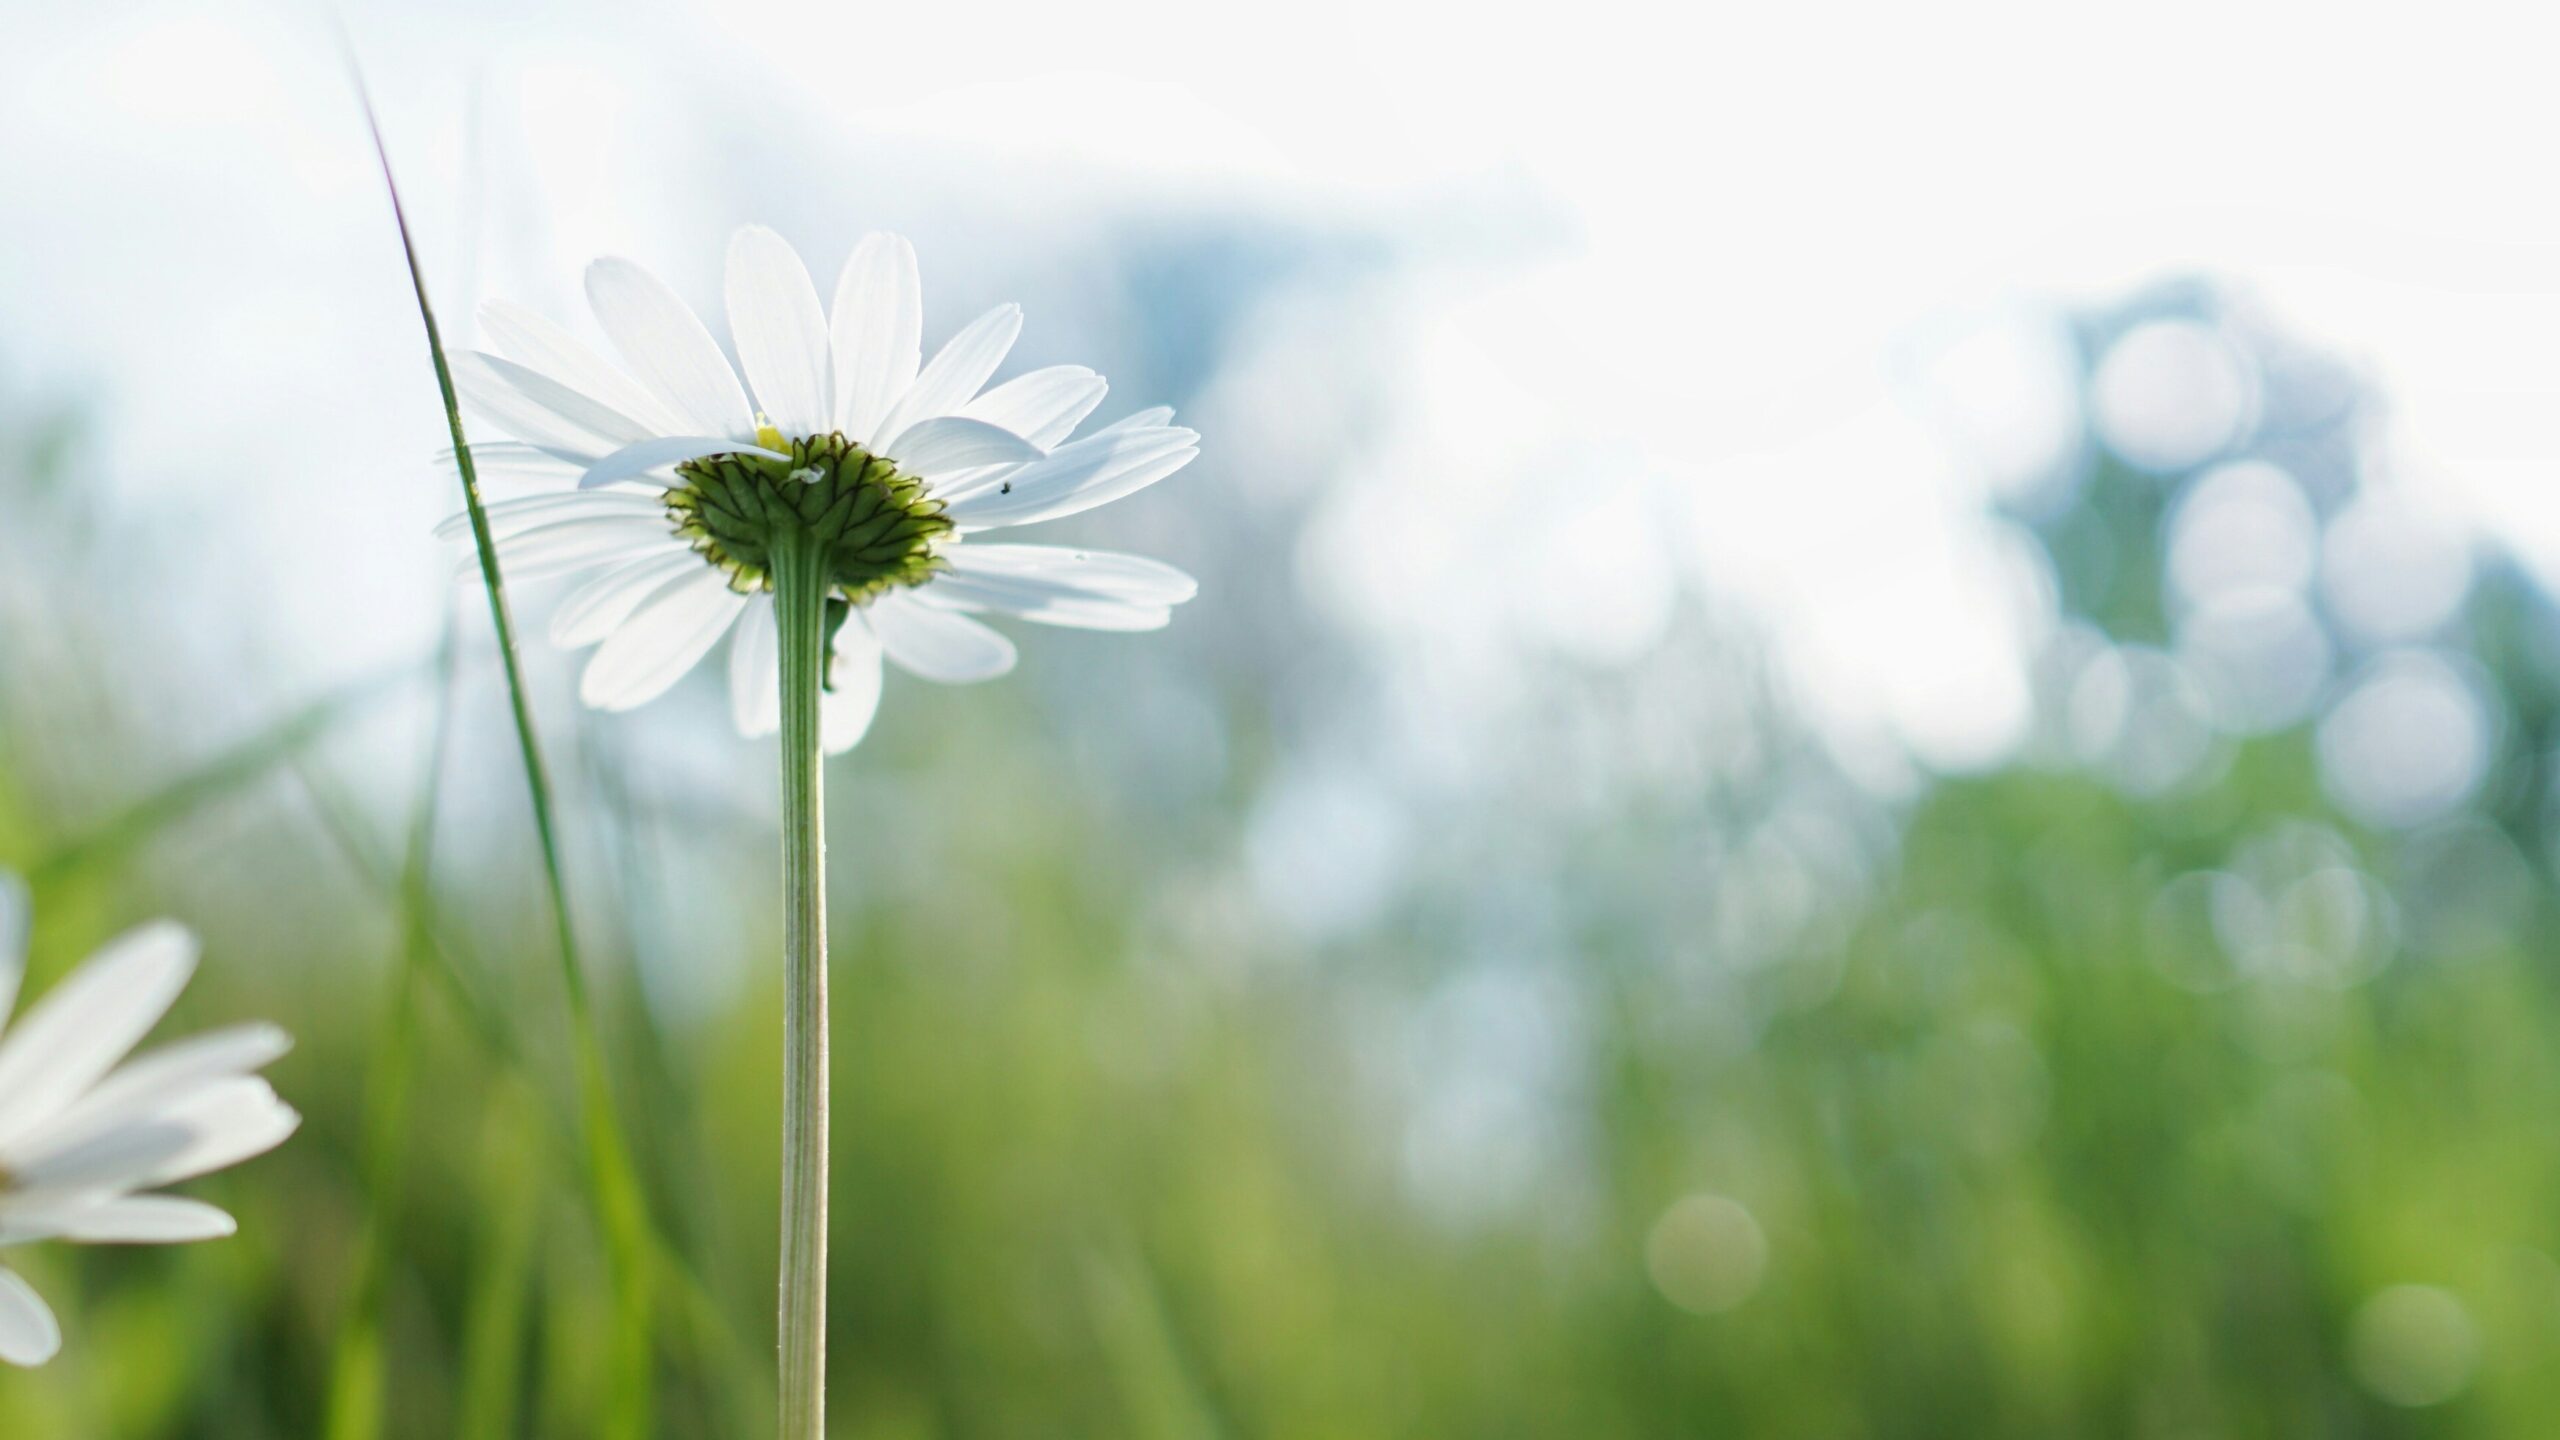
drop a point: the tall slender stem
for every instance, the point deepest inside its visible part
(621, 1209)
(800, 605)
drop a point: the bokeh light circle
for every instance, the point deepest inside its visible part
(1706, 1254)
(2241, 526)
(2170, 394)
(2409, 744)
(2414, 1345)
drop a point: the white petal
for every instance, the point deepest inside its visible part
(149, 1220)
(1046, 602)
(226, 1123)
(648, 455)
(595, 609)
(939, 644)
(512, 467)
(28, 1334)
(542, 411)
(17, 1231)
(1127, 616)
(17, 917)
(566, 558)
(948, 444)
(511, 517)
(879, 331)
(853, 694)
(662, 640)
(780, 332)
(121, 1157)
(78, 1032)
(663, 342)
(1148, 419)
(536, 342)
(1077, 476)
(559, 546)
(1043, 406)
(956, 372)
(150, 1081)
(755, 670)
(1071, 569)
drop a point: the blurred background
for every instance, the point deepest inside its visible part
(1871, 746)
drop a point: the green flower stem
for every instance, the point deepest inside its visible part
(800, 583)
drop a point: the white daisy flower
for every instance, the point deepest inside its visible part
(83, 1131)
(670, 481)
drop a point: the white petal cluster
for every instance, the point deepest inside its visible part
(85, 1132)
(606, 439)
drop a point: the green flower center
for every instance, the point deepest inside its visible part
(875, 526)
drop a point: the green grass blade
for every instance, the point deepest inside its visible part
(223, 775)
(720, 1347)
(356, 1376)
(489, 1388)
(620, 1209)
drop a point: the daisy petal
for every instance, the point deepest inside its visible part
(660, 642)
(534, 407)
(648, 455)
(149, 1220)
(571, 557)
(939, 644)
(512, 467)
(511, 517)
(1077, 476)
(853, 694)
(1044, 406)
(557, 546)
(949, 444)
(663, 342)
(28, 1334)
(123, 1157)
(1084, 589)
(14, 924)
(538, 343)
(780, 332)
(225, 1123)
(1147, 419)
(755, 670)
(79, 1031)
(1070, 570)
(957, 370)
(171, 1069)
(595, 609)
(878, 326)
(1074, 613)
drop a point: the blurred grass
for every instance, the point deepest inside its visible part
(1118, 1157)
(628, 1400)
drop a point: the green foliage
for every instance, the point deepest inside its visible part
(1995, 1139)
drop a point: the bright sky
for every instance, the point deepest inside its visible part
(1768, 223)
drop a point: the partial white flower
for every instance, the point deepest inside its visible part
(84, 1131)
(667, 476)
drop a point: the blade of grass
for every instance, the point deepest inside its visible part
(489, 1388)
(356, 1375)
(1161, 1399)
(718, 1338)
(223, 775)
(448, 963)
(713, 1335)
(620, 1209)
